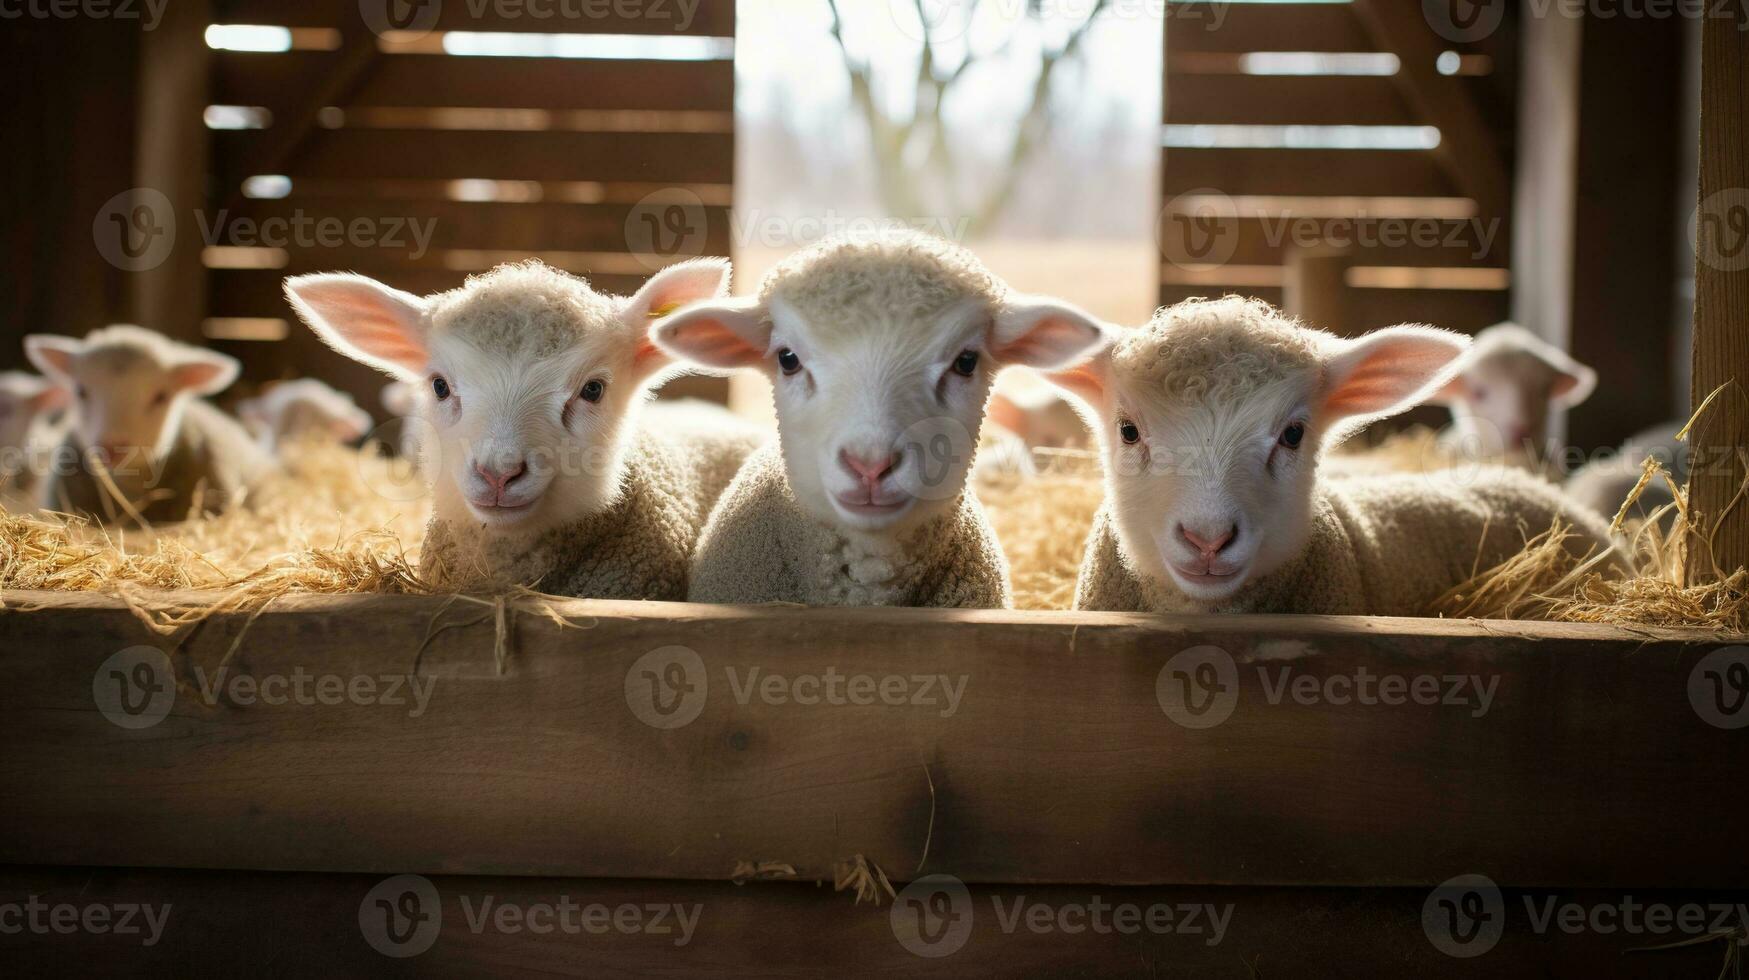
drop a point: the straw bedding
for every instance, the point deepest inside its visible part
(342, 521)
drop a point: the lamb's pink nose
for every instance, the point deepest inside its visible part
(500, 478)
(1209, 546)
(871, 470)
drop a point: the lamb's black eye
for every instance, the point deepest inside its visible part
(966, 363)
(440, 388)
(1293, 435)
(80, 392)
(1129, 433)
(592, 391)
(788, 361)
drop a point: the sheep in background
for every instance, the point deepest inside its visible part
(1506, 384)
(33, 422)
(1604, 484)
(139, 422)
(533, 387)
(1212, 418)
(303, 410)
(881, 353)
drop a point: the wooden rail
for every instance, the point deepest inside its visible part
(1000, 747)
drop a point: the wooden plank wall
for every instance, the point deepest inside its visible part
(1207, 83)
(381, 129)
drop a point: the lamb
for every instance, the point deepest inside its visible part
(1211, 418)
(1604, 484)
(303, 410)
(33, 421)
(144, 445)
(881, 352)
(531, 389)
(1500, 397)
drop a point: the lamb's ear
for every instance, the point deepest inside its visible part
(365, 320)
(1574, 382)
(50, 397)
(692, 281)
(1383, 373)
(352, 426)
(1046, 334)
(53, 354)
(1087, 381)
(400, 398)
(203, 372)
(720, 333)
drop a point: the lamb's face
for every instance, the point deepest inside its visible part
(1211, 419)
(527, 378)
(1509, 383)
(881, 356)
(129, 390)
(23, 398)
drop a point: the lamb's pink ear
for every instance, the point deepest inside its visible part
(1087, 381)
(1045, 333)
(1450, 393)
(720, 333)
(1385, 372)
(53, 354)
(1574, 382)
(365, 320)
(204, 372)
(50, 397)
(678, 285)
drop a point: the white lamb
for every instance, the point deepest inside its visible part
(1211, 419)
(140, 424)
(1503, 390)
(33, 421)
(1604, 484)
(881, 353)
(304, 410)
(531, 384)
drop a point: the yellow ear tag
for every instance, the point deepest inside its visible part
(662, 311)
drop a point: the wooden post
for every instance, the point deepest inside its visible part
(1721, 303)
(1316, 287)
(172, 157)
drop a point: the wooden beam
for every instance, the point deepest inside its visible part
(1046, 754)
(1721, 301)
(1467, 148)
(171, 159)
(1316, 288)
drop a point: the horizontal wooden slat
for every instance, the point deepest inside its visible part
(217, 924)
(1405, 173)
(680, 158)
(1270, 100)
(1240, 27)
(1054, 762)
(274, 80)
(714, 18)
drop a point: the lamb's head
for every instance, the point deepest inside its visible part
(1506, 385)
(1211, 418)
(529, 379)
(24, 397)
(881, 353)
(130, 386)
(304, 409)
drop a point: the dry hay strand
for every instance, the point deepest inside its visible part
(1042, 520)
(1544, 582)
(865, 878)
(746, 871)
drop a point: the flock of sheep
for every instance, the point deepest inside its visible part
(551, 467)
